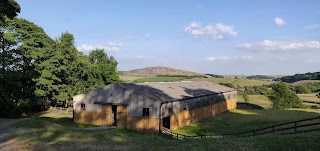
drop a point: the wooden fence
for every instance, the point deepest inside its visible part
(305, 125)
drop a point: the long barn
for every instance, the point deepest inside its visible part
(151, 106)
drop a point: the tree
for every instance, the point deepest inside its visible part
(9, 9)
(301, 89)
(245, 98)
(282, 97)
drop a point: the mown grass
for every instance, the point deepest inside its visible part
(309, 97)
(69, 137)
(236, 121)
(260, 100)
(235, 82)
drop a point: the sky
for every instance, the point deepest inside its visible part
(246, 37)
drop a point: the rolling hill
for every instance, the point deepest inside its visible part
(158, 70)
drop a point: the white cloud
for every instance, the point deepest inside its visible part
(268, 45)
(226, 58)
(217, 31)
(109, 46)
(279, 21)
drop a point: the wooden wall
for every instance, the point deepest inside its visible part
(187, 117)
(150, 124)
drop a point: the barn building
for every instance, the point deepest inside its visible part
(151, 106)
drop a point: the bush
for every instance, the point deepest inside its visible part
(282, 97)
(301, 89)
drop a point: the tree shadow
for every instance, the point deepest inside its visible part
(242, 105)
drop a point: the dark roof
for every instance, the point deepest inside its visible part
(166, 91)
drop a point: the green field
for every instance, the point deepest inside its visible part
(258, 100)
(245, 120)
(235, 82)
(309, 97)
(65, 135)
(130, 78)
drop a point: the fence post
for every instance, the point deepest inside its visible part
(177, 136)
(200, 136)
(272, 128)
(171, 134)
(295, 127)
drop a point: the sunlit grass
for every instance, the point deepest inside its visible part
(236, 121)
(309, 97)
(235, 82)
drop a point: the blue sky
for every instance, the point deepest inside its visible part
(221, 37)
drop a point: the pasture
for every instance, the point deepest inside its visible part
(235, 82)
(309, 97)
(58, 132)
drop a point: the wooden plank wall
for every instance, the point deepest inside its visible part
(192, 116)
(145, 124)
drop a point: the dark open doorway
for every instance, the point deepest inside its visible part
(166, 122)
(114, 111)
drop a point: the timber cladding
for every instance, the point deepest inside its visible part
(192, 116)
(143, 123)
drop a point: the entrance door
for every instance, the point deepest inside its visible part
(114, 112)
(166, 122)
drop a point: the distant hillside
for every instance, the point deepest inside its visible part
(299, 77)
(159, 71)
(260, 77)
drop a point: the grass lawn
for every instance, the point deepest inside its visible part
(259, 100)
(309, 97)
(66, 135)
(235, 82)
(245, 120)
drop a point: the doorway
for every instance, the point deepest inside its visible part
(166, 122)
(114, 112)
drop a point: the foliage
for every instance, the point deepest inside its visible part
(245, 97)
(282, 97)
(301, 89)
(9, 9)
(257, 90)
(299, 77)
(36, 71)
(259, 77)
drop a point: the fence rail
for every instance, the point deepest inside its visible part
(312, 124)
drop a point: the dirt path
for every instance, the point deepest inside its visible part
(5, 130)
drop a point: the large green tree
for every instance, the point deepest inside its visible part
(283, 97)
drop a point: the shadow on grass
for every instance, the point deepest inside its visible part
(242, 105)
